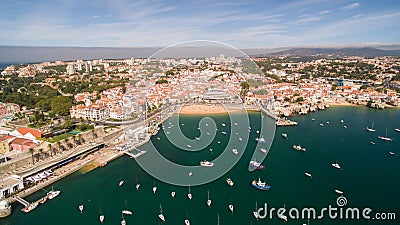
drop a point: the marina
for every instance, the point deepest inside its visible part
(78, 187)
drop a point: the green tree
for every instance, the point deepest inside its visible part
(60, 105)
(32, 151)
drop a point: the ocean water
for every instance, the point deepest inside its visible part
(369, 177)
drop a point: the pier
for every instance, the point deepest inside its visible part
(22, 201)
(285, 122)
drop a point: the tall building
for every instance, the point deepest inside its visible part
(89, 66)
(70, 69)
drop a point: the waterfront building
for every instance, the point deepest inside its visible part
(5, 143)
(10, 185)
(27, 133)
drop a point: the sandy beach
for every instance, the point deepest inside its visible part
(198, 109)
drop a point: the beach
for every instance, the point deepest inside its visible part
(199, 109)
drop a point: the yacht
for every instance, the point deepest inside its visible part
(121, 183)
(161, 216)
(339, 191)
(260, 140)
(341, 121)
(397, 129)
(154, 189)
(208, 199)
(137, 186)
(30, 207)
(189, 195)
(206, 163)
(123, 221)
(229, 182)
(385, 138)
(52, 194)
(240, 139)
(336, 165)
(344, 126)
(235, 124)
(223, 124)
(284, 135)
(223, 132)
(187, 222)
(235, 151)
(80, 207)
(263, 150)
(260, 185)
(230, 207)
(299, 148)
(372, 143)
(308, 174)
(101, 217)
(173, 194)
(312, 119)
(392, 153)
(43, 199)
(256, 165)
(372, 128)
(127, 212)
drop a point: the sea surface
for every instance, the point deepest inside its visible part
(369, 177)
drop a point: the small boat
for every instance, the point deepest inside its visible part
(260, 140)
(121, 183)
(336, 165)
(263, 150)
(158, 138)
(327, 122)
(255, 213)
(345, 127)
(137, 186)
(299, 148)
(206, 163)
(235, 124)
(257, 131)
(308, 174)
(223, 124)
(372, 128)
(397, 129)
(154, 189)
(80, 207)
(189, 146)
(197, 138)
(240, 139)
(123, 221)
(161, 216)
(223, 132)
(321, 124)
(208, 199)
(219, 142)
(341, 121)
(173, 194)
(190, 174)
(230, 207)
(372, 143)
(229, 182)
(385, 138)
(312, 119)
(127, 212)
(260, 185)
(101, 217)
(43, 200)
(339, 191)
(235, 151)
(187, 222)
(284, 135)
(30, 207)
(189, 195)
(392, 153)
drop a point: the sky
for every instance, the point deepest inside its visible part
(240, 23)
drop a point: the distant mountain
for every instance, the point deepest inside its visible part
(334, 52)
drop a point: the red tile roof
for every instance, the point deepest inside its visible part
(25, 130)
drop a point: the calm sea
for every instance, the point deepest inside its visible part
(369, 177)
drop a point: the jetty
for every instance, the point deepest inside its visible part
(285, 122)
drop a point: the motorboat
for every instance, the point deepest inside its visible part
(52, 194)
(206, 163)
(299, 148)
(260, 185)
(43, 200)
(189, 195)
(80, 207)
(101, 218)
(173, 194)
(187, 222)
(223, 124)
(371, 129)
(256, 165)
(161, 216)
(260, 140)
(137, 186)
(284, 135)
(397, 129)
(223, 132)
(263, 150)
(392, 153)
(229, 182)
(208, 199)
(121, 183)
(308, 174)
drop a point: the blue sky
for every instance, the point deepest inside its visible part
(241, 23)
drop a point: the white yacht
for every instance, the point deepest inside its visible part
(339, 191)
(229, 182)
(372, 128)
(230, 207)
(235, 151)
(336, 165)
(154, 189)
(187, 222)
(189, 195)
(137, 186)
(208, 199)
(80, 207)
(127, 212)
(299, 148)
(173, 194)
(30, 207)
(121, 183)
(385, 138)
(263, 150)
(397, 129)
(308, 174)
(52, 194)
(161, 216)
(206, 163)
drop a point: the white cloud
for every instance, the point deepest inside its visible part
(324, 12)
(351, 6)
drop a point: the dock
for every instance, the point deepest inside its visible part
(135, 155)
(285, 122)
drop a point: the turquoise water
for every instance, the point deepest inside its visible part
(369, 177)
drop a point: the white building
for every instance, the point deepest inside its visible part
(10, 185)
